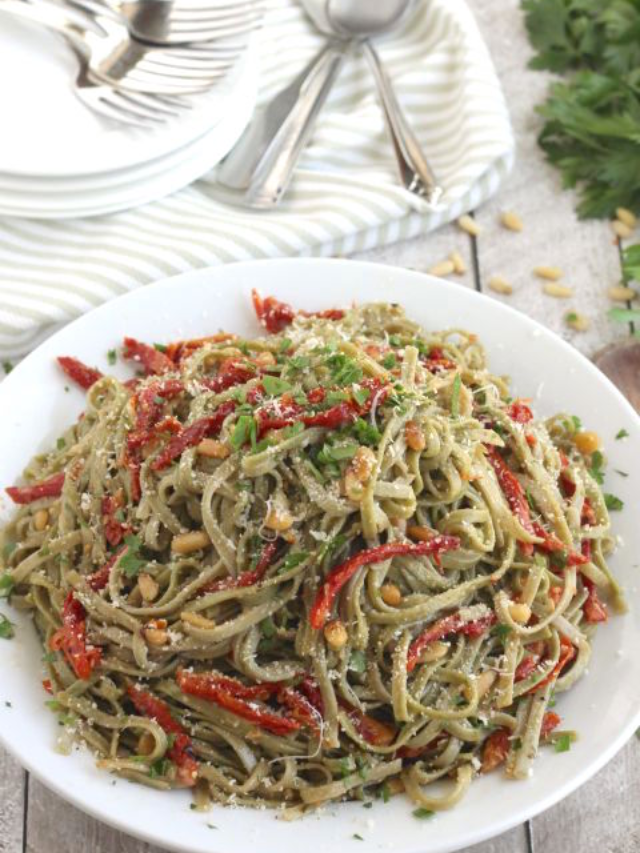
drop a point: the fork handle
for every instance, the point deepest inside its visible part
(262, 163)
(414, 169)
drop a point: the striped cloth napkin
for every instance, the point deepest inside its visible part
(345, 196)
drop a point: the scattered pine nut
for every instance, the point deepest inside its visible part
(620, 229)
(519, 612)
(434, 651)
(469, 225)
(587, 442)
(213, 449)
(548, 273)
(336, 635)
(499, 285)
(391, 594)
(414, 436)
(149, 587)
(186, 543)
(559, 291)
(620, 293)
(419, 533)
(627, 217)
(443, 268)
(278, 519)
(41, 519)
(459, 266)
(196, 620)
(577, 322)
(156, 636)
(146, 743)
(511, 221)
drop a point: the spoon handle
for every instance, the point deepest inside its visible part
(415, 172)
(263, 162)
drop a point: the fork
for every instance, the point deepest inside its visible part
(166, 22)
(116, 59)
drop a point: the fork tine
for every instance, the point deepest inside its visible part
(149, 106)
(97, 100)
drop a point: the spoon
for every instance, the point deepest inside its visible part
(264, 161)
(359, 20)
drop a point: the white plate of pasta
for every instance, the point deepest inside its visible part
(361, 567)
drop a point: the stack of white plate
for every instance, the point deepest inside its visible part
(58, 159)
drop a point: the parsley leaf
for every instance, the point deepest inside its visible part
(160, 347)
(160, 767)
(500, 631)
(244, 430)
(357, 661)
(422, 814)
(562, 742)
(112, 356)
(273, 385)
(590, 132)
(357, 837)
(292, 560)
(597, 461)
(366, 433)
(6, 585)
(612, 502)
(361, 395)
(131, 562)
(344, 370)
(622, 433)
(7, 367)
(389, 361)
(6, 628)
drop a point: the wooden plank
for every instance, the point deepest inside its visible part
(54, 826)
(552, 236)
(12, 790)
(601, 816)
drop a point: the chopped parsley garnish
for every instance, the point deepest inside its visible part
(159, 401)
(131, 562)
(160, 347)
(612, 502)
(61, 444)
(562, 743)
(337, 452)
(530, 500)
(622, 473)
(160, 767)
(358, 661)
(7, 367)
(362, 766)
(357, 837)
(622, 433)
(395, 340)
(293, 430)
(571, 317)
(366, 433)
(273, 385)
(344, 370)
(500, 631)
(6, 585)
(298, 362)
(385, 792)
(6, 628)
(268, 628)
(334, 397)
(292, 560)
(367, 805)
(346, 766)
(389, 361)
(597, 461)
(112, 356)
(244, 430)
(361, 395)
(422, 814)
(49, 657)
(455, 396)
(285, 344)
(517, 743)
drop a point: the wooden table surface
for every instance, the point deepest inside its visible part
(603, 816)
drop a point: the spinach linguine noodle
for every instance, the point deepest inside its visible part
(332, 562)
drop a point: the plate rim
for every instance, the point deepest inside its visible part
(472, 836)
